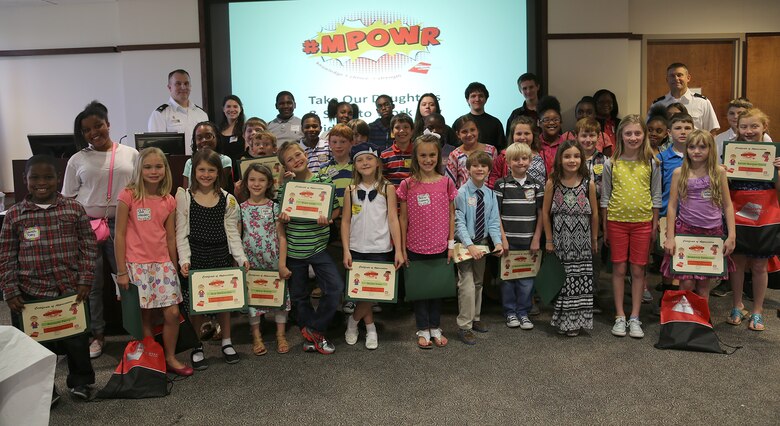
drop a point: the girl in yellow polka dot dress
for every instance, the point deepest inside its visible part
(630, 200)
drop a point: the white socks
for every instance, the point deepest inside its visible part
(198, 355)
(352, 324)
(371, 328)
(229, 350)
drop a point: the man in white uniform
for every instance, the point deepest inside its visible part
(698, 106)
(178, 114)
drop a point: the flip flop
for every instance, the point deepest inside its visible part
(423, 342)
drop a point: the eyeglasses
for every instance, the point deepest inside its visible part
(205, 137)
(550, 120)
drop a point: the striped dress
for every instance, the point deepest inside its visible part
(570, 211)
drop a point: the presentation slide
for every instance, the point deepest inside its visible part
(356, 51)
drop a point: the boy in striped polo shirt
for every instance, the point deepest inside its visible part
(304, 244)
(397, 160)
(520, 206)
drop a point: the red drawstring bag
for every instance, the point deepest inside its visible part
(685, 323)
(757, 219)
(141, 372)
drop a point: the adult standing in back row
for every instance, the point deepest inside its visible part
(178, 115)
(698, 106)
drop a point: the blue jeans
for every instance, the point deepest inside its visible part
(330, 282)
(427, 313)
(105, 252)
(516, 296)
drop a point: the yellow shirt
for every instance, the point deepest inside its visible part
(631, 200)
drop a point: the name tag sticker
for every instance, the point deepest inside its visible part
(423, 199)
(356, 209)
(295, 128)
(706, 194)
(233, 139)
(408, 163)
(529, 194)
(472, 201)
(143, 215)
(32, 233)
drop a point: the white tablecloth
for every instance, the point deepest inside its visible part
(26, 379)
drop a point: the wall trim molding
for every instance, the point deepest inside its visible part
(97, 49)
(591, 36)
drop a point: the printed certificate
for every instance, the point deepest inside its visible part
(372, 281)
(217, 290)
(520, 264)
(750, 160)
(698, 255)
(265, 288)
(271, 161)
(54, 319)
(461, 252)
(307, 200)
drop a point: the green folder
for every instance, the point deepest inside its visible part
(549, 280)
(429, 279)
(131, 311)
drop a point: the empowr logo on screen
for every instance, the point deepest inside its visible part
(370, 45)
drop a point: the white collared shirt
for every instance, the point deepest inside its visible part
(176, 118)
(698, 107)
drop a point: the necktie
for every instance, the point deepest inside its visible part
(479, 223)
(362, 195)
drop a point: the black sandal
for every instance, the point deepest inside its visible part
(230, 358)
(198, 365)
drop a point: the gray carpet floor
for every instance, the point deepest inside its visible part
(510, 377)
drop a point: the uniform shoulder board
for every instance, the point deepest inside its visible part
(699, 95)
(198, 107)
(659, 99)
(162, 107)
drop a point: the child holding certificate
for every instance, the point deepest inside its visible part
(203, 244)
(476, 220)
(306, 246)
(754, 244)
(262, 239)
(698, 202)
(519, 197)
(145, 247)
(427, 227)
(630, 200)
(369, 230)
(49, 229)
(571, 226)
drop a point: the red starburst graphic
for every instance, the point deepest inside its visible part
(310, 47)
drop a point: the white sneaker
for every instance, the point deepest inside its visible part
(95, 348)
(512, 322)
(635, 328)
(351, 336)
(526, 324)
(619, 329)
(348, 307)
(372, 341)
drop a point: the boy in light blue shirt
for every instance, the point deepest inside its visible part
(476, 220)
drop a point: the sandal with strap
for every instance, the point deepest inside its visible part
(282, 346)
(258, 347)
(423, 340)
(438, 339)
(736, 316)
(756, 322)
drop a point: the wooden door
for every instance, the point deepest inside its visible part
(762, 62)
(711, 64)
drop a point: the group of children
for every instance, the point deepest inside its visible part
(400, 205)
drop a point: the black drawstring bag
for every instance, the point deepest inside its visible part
(685, 323)
(140, 374)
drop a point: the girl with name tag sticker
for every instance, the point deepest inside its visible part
(145, 247)
(427, 227)
(698, 202)
(369, 230)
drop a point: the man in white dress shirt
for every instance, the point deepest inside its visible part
(698, 106)
(178, 114)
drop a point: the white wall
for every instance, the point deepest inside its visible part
(43, 94)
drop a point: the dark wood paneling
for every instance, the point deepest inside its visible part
(711, 64)
(762, 62)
